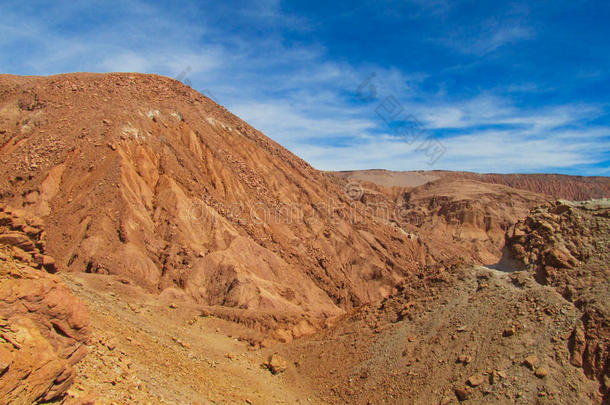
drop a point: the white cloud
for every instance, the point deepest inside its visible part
(299, 96)
(491, 151)
(487, 109)
(290, 126)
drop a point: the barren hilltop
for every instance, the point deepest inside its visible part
(156, 248)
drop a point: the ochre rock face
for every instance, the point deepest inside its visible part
(141, 176)
(453, 217)
(43, 326)
(467, 219)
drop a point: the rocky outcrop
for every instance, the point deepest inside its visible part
(43, 326)
(568, 247)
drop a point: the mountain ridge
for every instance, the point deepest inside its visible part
(561, 186)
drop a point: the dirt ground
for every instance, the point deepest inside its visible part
(474, 333)
(144, 350)
(483, 328)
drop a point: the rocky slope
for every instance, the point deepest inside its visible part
(449, 334)
(567, 245)
(452, 335)
(43, 326)
(142, 177)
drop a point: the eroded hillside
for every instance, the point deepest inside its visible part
(142, 177)
(220, 268)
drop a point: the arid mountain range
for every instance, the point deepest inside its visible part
(179, 225)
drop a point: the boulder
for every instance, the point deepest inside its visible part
(463, 394)
(276, 364)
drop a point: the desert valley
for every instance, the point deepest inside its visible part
(155, 248)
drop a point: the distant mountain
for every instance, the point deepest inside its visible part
(575, 188)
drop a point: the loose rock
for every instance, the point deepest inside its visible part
(476, 380)
(463, 393)
(276, 364)
(541, 372)
(531, 361)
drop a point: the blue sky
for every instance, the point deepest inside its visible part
(498, 86)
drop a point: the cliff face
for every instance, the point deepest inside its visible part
(43, 326)
(467, 219)
(141, 176)
(465, 215)
(454, 218)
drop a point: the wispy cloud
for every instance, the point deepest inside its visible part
(296, 127)
(492, 36)
(304, 96)
(487, 36)
(484, 151)
(496, 35)
(489, 109)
